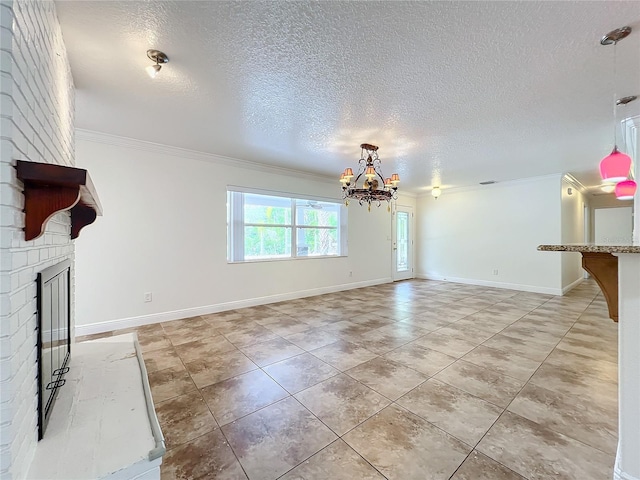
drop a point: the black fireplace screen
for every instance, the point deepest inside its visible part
(54, 342)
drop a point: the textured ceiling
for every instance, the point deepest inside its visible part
(454, 93)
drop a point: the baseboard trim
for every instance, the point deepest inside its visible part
(487, 283)
(618, 474)
(572, 285)
(118, 324)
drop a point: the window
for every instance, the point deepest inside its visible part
(271, 226)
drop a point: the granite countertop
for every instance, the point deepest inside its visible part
(590, 248)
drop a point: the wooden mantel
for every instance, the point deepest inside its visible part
(602, 264)
(49, 189)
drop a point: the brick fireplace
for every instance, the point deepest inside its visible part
(37, 125)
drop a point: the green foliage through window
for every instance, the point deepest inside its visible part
(271, 227)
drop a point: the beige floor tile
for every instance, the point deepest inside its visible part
(207, 457)
(456, 412)
(239, 396)
(420, 358)
(220, 317)
(248, 336)
(589, 333)
(543, 324)
(192, 333)
(312, 339)
(573, 382)
(502, 362)
(489, 323)
(385, 339)
(300, 372)
(395, 314)
(175, 326)
(219, 367)
(481, 382)
(388, 378)
(273, 440)
(371, 320)
(271, 351)
(539, 453)
(346, 328)
(170, 382)
(480, 467)
(594, 368)
(520, 347)
(188, 330)
(314, 317)
(404, 330)
(184, 418)
(471, 334)
(153, 341)
(600, 349)
(230, 326)
(343, 355)
(338, 461)
(422, 328)
(143, 330)
(452, 346)
(341, 402)
(160, 359)
(96, 336)
(206, 348)
(428, 321)
(406, 446)
(287, 326)
(576, 416)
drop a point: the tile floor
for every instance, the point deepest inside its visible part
(411, 380)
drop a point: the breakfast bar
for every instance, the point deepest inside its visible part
(616, 269)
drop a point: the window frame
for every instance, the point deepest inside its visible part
(236, 225)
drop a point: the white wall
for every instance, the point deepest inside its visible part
(37, 95)
(613, 226)
(572, 231)
(603, 201)
(164, 231)
(467, 234)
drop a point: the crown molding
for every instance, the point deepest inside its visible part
(405, 193)
(468, 188)
(575, 183)
(159, 148)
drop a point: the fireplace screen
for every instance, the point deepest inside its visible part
(54, 342)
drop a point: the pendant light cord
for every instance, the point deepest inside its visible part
(615, 95)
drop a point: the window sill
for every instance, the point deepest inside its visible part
(288, 259)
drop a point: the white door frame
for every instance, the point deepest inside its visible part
(409, 273)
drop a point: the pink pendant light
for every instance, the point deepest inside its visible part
(615, 167)
(626, 190)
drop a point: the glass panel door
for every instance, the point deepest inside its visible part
(403, 243)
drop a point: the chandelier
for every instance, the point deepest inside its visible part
(372, 189)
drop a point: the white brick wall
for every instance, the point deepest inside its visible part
(36, 124)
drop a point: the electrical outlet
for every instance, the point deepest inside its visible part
(148, 297)
(495, 271)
